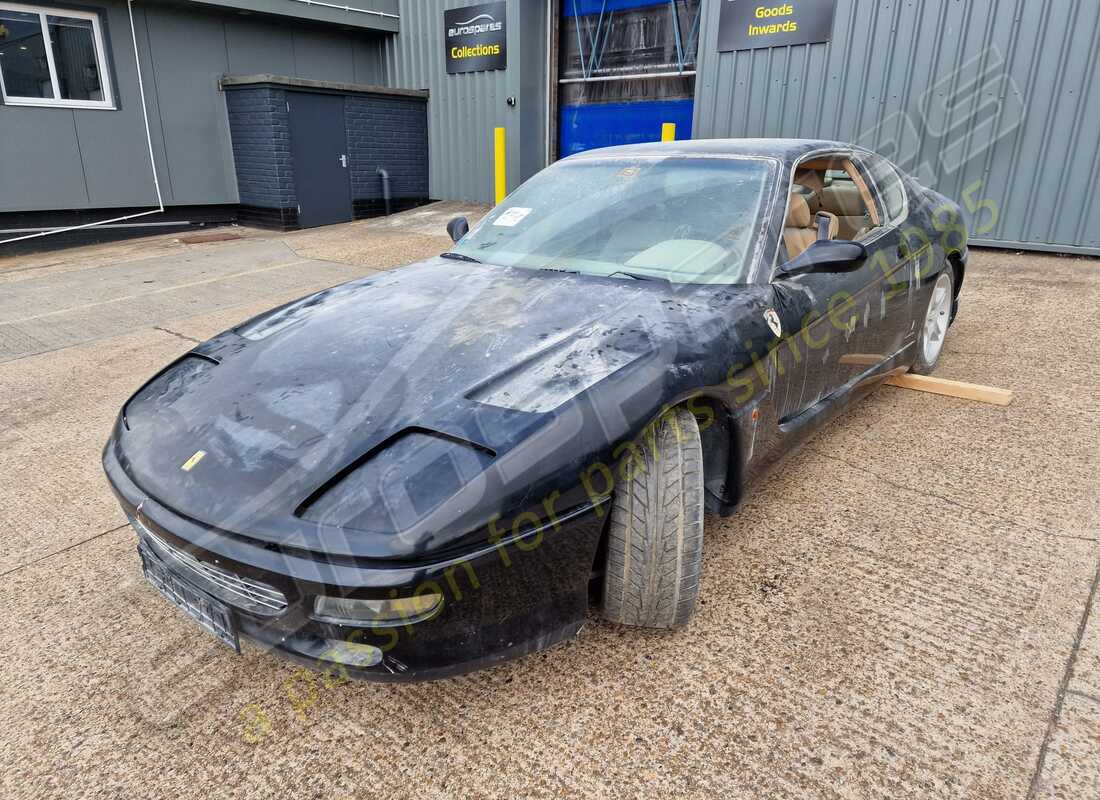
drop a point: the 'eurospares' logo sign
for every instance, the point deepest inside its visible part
(749, 24)
(476, 37)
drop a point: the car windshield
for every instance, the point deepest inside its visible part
(685, 220)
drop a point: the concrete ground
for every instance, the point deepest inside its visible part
(906, 609)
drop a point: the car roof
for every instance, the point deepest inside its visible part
(786, 150)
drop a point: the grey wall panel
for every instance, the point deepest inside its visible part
(112, 143)
(256, 46)
(253, 46)
(116, 160)
(129, 94)
(189, 57)
(987, 96)
(39, 159)
(370, 67)
(534, 105)
(322, 55)
(464, 109)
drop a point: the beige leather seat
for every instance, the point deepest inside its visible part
(800, 229)
(813, 199)
(842, 198)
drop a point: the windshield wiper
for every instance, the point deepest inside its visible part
(559, 269)
(459, 257)
(638, 276)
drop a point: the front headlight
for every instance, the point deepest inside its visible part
(369, 613)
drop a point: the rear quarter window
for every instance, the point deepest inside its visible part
(891, 189)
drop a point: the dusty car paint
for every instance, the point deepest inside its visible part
(427, 424)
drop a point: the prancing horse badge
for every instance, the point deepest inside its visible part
(773, 322)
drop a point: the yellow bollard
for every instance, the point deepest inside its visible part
(668, 132)
(499, 155)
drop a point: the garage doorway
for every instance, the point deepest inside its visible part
(318, 145)
(625, 67)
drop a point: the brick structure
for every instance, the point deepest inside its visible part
(260, 127)
(385, 129)
(391, 133)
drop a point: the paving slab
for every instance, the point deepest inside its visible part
(57, 412)
(1069, 771)
(67, 309)
(39, 296)
(831, 657)
(1084, 678)
(1071, 751)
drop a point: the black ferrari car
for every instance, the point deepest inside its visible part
(436, 468)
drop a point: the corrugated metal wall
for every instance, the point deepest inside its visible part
(464, 109)
(991, 99)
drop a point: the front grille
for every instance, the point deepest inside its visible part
(244, 593)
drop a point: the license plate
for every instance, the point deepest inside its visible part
(211, 614)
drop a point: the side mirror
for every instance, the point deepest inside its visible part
(457, 228)
(826, 255)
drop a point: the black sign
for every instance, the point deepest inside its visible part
(749, 24)
(476, 37)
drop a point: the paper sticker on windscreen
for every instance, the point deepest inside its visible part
(512, 217)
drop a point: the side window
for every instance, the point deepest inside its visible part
(52, 57)
(842, 190)
(889, 185)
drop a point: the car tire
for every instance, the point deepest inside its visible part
(934, 323)
(655, 537)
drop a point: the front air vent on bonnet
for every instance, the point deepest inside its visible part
(398, 482)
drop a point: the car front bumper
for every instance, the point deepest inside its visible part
(505, 600)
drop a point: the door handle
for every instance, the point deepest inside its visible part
(344, 161)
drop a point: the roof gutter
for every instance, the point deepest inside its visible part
(338, 7)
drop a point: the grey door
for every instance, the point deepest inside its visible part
(318, 145)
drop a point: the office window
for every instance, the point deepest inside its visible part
(52, 57)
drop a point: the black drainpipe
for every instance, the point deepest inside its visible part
(385, 188)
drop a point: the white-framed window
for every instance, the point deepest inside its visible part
(52, 57)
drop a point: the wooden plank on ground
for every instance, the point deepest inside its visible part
(967, 391)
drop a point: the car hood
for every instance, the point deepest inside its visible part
(408, 384)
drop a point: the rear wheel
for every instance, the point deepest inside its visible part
(655, 540)
(936, 319)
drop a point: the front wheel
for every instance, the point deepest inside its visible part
(936, 319)
(655, 540)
